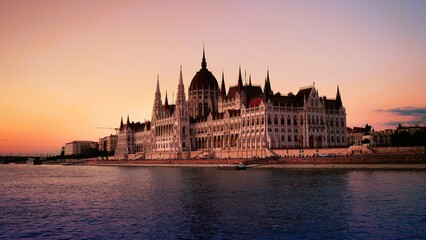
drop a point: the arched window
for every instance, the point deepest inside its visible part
(183, 130)
(206, 108)
(294, 121)
(200, 109)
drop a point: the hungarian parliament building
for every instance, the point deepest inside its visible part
(243, 121)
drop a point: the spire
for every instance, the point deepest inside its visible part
(157, 90)
(121, 122)
(222, 87)
(157, 100)
(250, 80)
(267, 87)
(338, 98)
(128, 120)
(240, 80)
(180, 76)
(166, 102)
(203, 62)
(180, 96)
(267, 75)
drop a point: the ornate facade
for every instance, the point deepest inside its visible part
(240, 122)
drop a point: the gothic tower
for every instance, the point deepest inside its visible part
(157, 108)
(182, 118)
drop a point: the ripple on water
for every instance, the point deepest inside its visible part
(55, 202)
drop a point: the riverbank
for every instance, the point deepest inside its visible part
(283, 166)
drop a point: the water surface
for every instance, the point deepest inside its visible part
(90, 202)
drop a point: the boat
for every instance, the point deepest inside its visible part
(239, 166)
(33, 161)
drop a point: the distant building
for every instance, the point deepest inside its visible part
(78, 147)
(359, 136)
(243, 121)
(410, 129)
(382, 138)
(108, 143)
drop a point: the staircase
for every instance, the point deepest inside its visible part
(138, 156)
(270, 153)
(204, 155)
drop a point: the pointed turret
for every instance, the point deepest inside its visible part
(222, 87)
(240, 81)
(128, 120)
(338, 98)
(180, 77)
(180, 96)
(267, 88)
(121, 123)
(157, 101)
(166, 101)
(157, 90)
(250, 80)
(203, 61)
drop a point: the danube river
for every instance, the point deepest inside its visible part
(92, 202)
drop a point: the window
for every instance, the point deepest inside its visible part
(289, 138)
(200, 109)
(288, 121)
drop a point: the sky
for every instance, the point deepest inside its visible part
(68, 68)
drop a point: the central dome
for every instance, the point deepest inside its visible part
(204, 79)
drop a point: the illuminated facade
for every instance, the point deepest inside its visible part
(240, 122)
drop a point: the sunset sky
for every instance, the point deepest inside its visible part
(67, 67)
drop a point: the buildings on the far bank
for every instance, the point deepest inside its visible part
(78, 147)
(400, 136)
(108, 143)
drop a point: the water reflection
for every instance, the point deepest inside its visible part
(141, 203)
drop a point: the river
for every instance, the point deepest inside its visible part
(93, 202)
